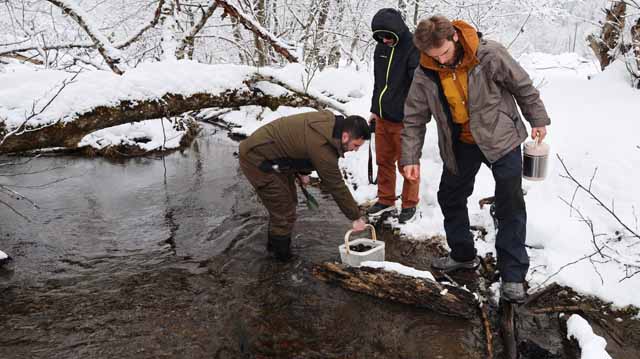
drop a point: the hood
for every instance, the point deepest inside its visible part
(468, 38)
(388, 21)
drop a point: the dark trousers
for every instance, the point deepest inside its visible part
(511, 214)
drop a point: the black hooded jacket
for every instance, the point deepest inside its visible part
(393, 66)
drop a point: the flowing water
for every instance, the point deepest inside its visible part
(165, 258)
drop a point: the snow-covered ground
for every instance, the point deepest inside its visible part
(594, 126)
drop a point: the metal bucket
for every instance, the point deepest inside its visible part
(534, 160)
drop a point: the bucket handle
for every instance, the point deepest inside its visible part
(348, 234)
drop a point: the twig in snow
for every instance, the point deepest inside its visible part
(593, 196)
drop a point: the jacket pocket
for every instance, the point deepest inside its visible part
(505, 113)
(504, 131)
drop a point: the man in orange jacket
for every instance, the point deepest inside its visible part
(472, 87)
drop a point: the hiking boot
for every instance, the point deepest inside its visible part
(513, 292)
(406, 214)
(448, 264)
(280, 246)
(379, 208)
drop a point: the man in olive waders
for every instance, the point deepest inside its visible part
(394, 60)
(473, 88)
(276, 155)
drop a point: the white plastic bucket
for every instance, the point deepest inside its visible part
(355, 259)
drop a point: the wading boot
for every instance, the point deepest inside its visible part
(280, 246)
(513, 292)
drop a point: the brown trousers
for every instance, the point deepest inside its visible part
(278, 194)
(388, 149)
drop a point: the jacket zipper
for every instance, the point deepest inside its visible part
(386, 80)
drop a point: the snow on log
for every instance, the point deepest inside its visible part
(420, 292)
(53, 109)
(68, 134)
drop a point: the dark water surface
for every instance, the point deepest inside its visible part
(155, 258)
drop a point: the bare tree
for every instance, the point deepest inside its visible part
(252, 25)
(186, 47)
(608, 42)
(110, 54)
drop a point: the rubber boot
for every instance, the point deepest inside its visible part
(280, 246)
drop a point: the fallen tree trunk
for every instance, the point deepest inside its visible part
(424, 293)
(70, 133)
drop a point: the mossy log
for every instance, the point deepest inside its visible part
(423, 293)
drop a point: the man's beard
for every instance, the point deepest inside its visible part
(458, 55)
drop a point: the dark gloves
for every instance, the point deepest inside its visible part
(372, 125)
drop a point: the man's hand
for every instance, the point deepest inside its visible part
(538, 131)
(304, 180)
(358, 225)
(373, 117)
(411, 172)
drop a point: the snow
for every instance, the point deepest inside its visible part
(400, 269)
(149, 81)
(594, 126)
(592, 346)
(151, 130)
(3, 256)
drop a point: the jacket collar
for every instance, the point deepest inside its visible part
(337, 133)
(468, 38)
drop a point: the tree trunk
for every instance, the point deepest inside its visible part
(70, 133)
(237, 35)
(402, 8)
(169, 28)
(261, 50)
(253, 26)
(609, 39)
(187, 46)
(424, 293)
(335, 52)
(635, 42)
(322, 56)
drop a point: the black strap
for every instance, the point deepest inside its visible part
(370, 165)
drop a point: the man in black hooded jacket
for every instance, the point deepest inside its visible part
(395, 60)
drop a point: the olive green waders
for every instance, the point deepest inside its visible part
(278, 194)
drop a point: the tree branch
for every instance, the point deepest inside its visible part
(253, 26)
(190, 38)
(593, 196)
(110, 54)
